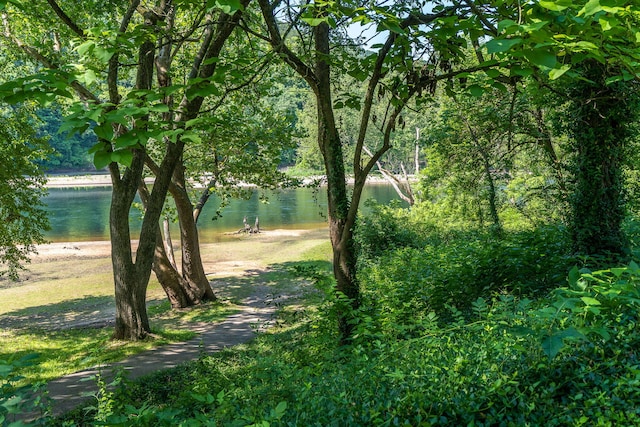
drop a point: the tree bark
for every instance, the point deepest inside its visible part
(344, 258)
(600, 126)
(132, 322)
(192, 268)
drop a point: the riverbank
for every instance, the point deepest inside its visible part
(104, 180)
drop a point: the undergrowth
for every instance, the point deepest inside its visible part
(456, 328)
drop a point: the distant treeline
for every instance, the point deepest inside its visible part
(70, 151)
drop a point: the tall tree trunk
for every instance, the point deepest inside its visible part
(132, 322)
(600, 126)
(344, 258)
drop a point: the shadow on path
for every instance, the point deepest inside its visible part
(70, 391)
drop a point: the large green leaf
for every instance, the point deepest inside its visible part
(101, 159)
(552, 345)
(227, 6)
(541, 57)
(502, 45)
(556, 5)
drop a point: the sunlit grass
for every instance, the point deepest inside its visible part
(51, 294)
(66, 351)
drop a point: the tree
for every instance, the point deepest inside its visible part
(393, 72)
(104, 59)
(240, 144)
(22, 215)
(592, 46)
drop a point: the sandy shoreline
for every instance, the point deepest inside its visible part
(87, 180)
(102, 248)
(104, 180)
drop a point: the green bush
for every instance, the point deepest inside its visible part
(16, 399)
(386, 227)
(455, 268)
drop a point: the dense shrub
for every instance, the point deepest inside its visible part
(413, 269)
(386, 227)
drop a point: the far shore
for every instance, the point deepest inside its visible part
(104, 180)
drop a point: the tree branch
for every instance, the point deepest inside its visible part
(65, 18)
(278, 44)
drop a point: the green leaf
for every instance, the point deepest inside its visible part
(592, 7)
(608, 23)
(618, 271)
(229, 6)
(502, 45)
(191, 137)
(557, 72)
(280, 408)
(393, 26)
(590, 301)
(203, 89)
(552, 345)
(85, 47)
(124, 157)
(104, 54)
(159, 108)
(573, 277)
(541, 58)
(476, 90)
(101, 159)
(314, 22)
(555, 5)
(506, 23)
(520, 71)
(104, 131)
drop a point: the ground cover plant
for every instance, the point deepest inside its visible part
(536, 342)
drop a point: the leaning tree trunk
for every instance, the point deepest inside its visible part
(178, 290)
(193, 280)
(192, 268)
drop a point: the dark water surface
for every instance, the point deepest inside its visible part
(82, 213)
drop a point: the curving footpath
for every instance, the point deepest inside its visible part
(68, 392)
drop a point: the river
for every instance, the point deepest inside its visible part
(82, 213)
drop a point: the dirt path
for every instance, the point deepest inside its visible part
(225, 264)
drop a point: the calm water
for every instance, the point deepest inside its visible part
(78, 214)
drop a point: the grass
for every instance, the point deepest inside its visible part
(58, 291)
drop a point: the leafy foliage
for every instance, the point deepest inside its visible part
(22, 214)
(508, 361)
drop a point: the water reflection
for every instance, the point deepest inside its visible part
(80, 214)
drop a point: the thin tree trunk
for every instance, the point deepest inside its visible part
(344, 258)
(168, 244)
(493, 207)
(192, 268)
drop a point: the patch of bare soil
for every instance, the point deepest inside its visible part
(243, 256)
